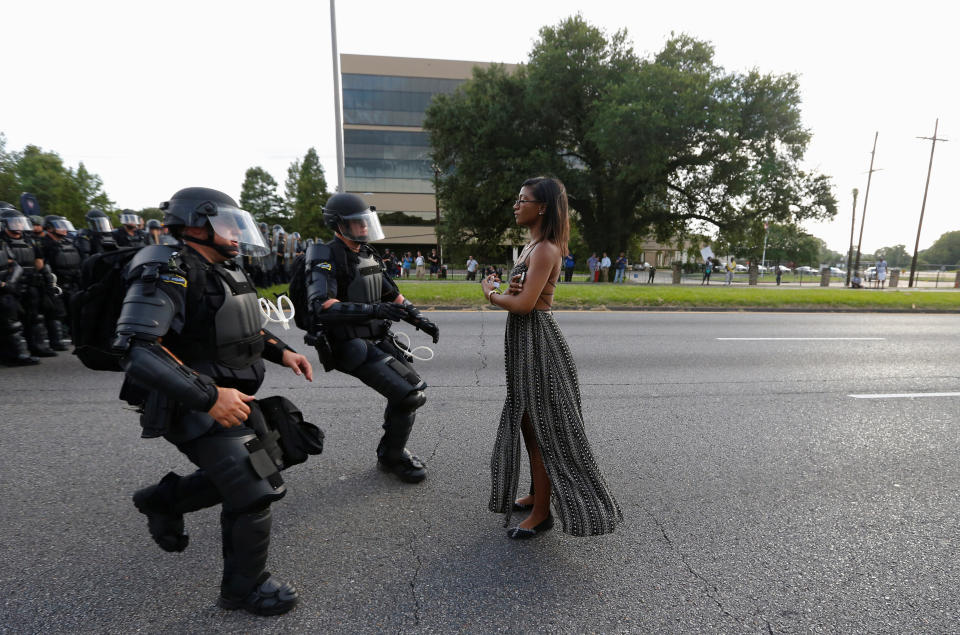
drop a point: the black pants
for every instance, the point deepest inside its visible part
(568, 274)
(381, 365)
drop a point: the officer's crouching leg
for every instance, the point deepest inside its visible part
(392, 454)
(165, 503)
(247, 479)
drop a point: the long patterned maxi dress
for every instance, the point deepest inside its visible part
(542, 381)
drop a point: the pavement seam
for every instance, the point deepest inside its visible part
(711, 589)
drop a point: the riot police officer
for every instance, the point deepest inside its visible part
(63, 259)
(351, 304)
(129, 233)
(30, 286)
(97, 237)
(13, 346)
(157, 234)
(190, 326)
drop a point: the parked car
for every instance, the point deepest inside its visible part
(808, 270)
(837, 271)
(783, 269)
(741, 268)
(871, 273)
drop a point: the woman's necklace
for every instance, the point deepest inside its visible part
(526, 250)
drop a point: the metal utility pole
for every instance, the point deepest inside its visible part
(866, 196)
(916, 245)
(766, 232)
(336, 97)
(853, 223)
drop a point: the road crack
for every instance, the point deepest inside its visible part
(710, 589)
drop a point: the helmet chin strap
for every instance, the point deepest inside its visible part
(225, 251)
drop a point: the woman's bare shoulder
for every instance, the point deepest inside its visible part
(546, 252)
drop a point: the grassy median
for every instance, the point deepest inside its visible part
(600, 296)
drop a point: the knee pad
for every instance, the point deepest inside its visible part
(413, 401)
(241, 470)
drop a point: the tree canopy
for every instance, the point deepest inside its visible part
(59, 189)
(667, 146)
(258, 195)
(944, 250)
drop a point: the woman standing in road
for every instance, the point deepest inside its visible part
(543, 393)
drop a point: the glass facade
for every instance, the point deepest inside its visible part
(387, 161)
(382, 100)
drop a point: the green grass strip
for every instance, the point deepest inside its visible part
(592, 296)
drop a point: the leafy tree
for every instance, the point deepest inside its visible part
(306, 194)
(9, 184)
(896, 256)
(58, 188)
(944, 251)
(258, 195)
(668, 146)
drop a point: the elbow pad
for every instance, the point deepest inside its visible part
(151, 367)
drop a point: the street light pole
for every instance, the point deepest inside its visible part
(866, 196)
(338, 115)
(916, 245)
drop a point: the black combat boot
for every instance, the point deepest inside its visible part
(246, 583)
(165, 503)
(392, 455)
(55, 331)
(20, 353)
(37, 342)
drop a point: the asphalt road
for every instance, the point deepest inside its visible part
(758, 494)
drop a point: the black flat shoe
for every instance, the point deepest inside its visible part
(522, 507)
(519, 533)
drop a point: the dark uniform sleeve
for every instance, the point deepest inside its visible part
(155, 304)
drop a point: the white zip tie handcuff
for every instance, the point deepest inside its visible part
(275, 312)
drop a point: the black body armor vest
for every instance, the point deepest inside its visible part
(64, 259)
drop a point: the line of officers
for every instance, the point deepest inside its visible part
(41, 262)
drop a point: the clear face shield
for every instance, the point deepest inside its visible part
(130, 219)
(236, 224)
(361, 228)
(62, 226)
(18, 224)
(101, 225)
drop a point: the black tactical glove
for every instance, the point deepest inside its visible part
(415, 318)
(390, 311)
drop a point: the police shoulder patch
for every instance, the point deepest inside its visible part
(325, 266)
(174, 279)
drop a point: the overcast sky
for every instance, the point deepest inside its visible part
(158, 96)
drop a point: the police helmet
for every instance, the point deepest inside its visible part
(350, 215)
(58, 224)
(36, 219)
(197, 206)
(153, 223)
(130, 218)
(264, 228)
(14, 221)
(98, 221)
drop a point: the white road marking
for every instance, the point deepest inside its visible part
(797, 339)
(907, 395)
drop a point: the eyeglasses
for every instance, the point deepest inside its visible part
(520, 201)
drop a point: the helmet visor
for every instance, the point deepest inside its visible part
(18, 224)
(100, 224)
(62, 224)
(363, 227)
(237, 224)
(129, 219)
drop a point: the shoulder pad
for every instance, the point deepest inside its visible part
(320, 256)
(152, 254)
